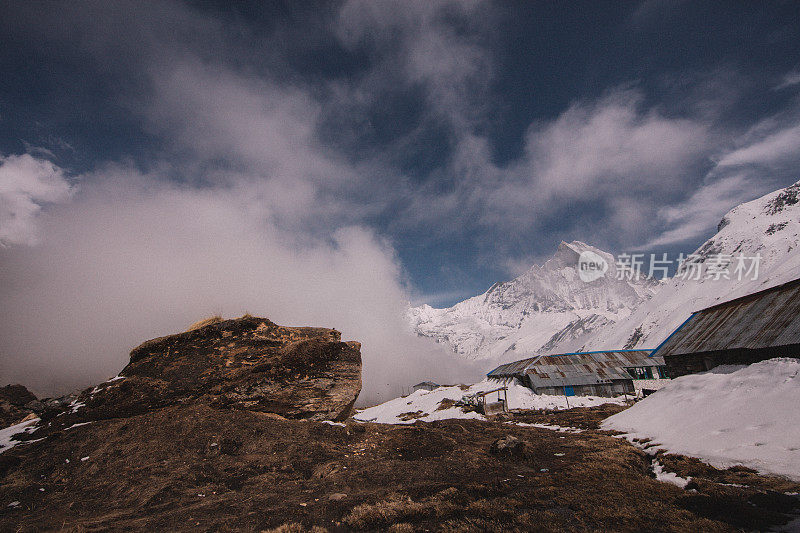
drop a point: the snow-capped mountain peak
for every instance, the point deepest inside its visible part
(551, 309)
(767, 228)
(548, 303)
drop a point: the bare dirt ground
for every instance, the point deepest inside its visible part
(204, 468)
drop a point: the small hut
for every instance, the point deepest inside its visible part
(425, 385)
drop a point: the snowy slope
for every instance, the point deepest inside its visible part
(427, 406)
(549, 305)
(769, 226)
(6, 434)
(727, 416)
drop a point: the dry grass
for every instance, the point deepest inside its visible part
(447, 403)
(436, 476)
(397, 508)
(205, 322)
(294, 527)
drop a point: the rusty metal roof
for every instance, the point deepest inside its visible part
(579, 368)
(761, 320)
(517, 368)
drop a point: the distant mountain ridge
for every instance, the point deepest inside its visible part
(549, 309)
(546, 306)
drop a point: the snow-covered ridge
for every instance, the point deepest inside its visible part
(768, 226)
(546, 306)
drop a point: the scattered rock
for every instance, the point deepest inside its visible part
(509, 446)
(337, 496)
(35, 405)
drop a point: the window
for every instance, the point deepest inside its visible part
(642, 372)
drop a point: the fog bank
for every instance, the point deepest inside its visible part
(131, 258)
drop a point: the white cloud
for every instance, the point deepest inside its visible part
(612, 145)
(789, 80)
(696, 216)
(614, 155)
(268, 220)
(27, 183)
(775, 147)
(766, 156)
(132, 257)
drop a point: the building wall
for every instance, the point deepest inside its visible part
(607, 390)
(680, 365)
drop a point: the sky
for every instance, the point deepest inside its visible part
(328, 163)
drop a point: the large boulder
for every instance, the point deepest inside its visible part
(14, 404)
(246, 363)
(16, 395)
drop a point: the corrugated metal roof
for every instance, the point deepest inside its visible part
(580, 368)
(760, 320)
(512, 369)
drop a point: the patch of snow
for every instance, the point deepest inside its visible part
(332, 423)
(669, 477)
(77, 425)
(75, 405)
(562, 429)
(427, 405)
(83, 459)
(15, 503)
(6, 434)
(746, 416)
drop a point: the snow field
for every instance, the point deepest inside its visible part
(728, 416)
(427, 403)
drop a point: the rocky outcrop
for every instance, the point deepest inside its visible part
(15, 404)
(246, 363)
